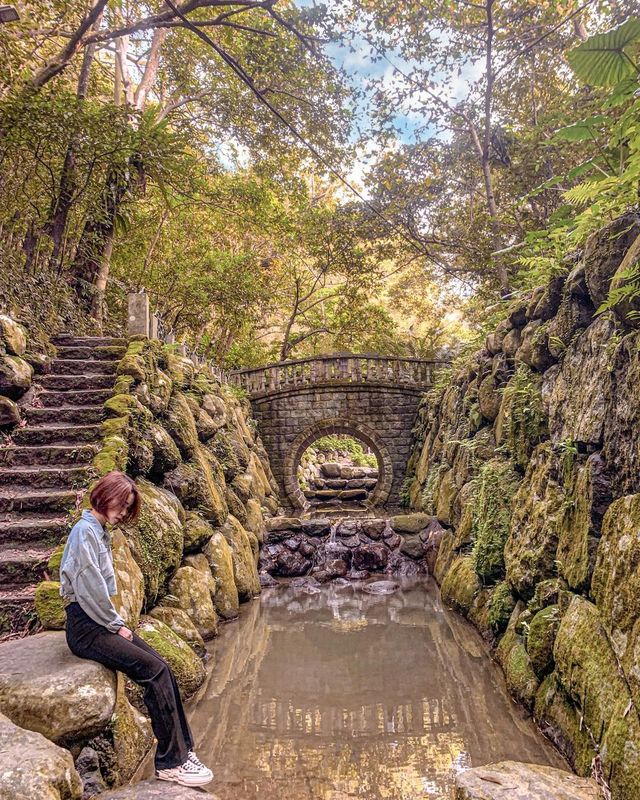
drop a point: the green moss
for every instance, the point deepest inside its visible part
(540, 639)
(222, 447)
(113, 455)
(432, 484)
(186, 666)
(181, 425)
(522, 418)
(53, 565)
(116, 426)
(123, 384)
(132, 363)
(491, 517)
(514, 659)
(500, 607)
(49, 607)
(460, 586)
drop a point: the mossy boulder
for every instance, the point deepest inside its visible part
(410, 523)
(216, 409)
(522, 423)
(9, 413)
(55, 559)
(460, 586)
(220, 558)
(13, 337)
(49, 606)
(255, 519)
(588, 671)
(132, 363)
(500, 607)
(157, 538)
(524, 782)
(581, 524)
(180, 370)
(538, 509)
(245, 570)
(197, 532)
(604, 252)
(522, 681)
(222, 446)
(129, 598)
(166, 456)
(195, 484)
(541, 637)
(190, 591)
(113, 455)
(235, 505)
(15, 376)
(181, 624)
(616, 584)
(199, 561)
(187, 667)
(180, 424)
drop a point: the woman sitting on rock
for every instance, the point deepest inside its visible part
(95, 630)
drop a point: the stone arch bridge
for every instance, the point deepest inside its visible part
(373, 398)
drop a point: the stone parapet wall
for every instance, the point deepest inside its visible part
(530, 459)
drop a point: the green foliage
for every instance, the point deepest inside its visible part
(607, 58)
(525, 418)
(344, 445)
(500, 607)
(491, 518)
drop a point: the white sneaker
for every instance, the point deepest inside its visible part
(193, 758)
(187, 774)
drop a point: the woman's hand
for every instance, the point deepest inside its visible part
(125, 633)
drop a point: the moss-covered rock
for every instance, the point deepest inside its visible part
(514, 660)
(447, 554)
(538, 509)
(216, 409)
(188, 669)
(166, 456)
(220, 559)
(522, 422)
(190, 591)
(194, 483)
(15, 376)
(540, 640)
(197, 532)
(13, 337)
(616, 584)
(604, 251)
(181, 624)
(9, 413)
(491, 517)
(460, 586)
(255, 519)
(180, 370)
(53, 565)
(235, 505)
(500, 607)
(129, 598)
(590, 496)
(245, 570)
(113, 455)
(222, 447)
(180, 424)
(588, 672)
(49, 606)
(156, 539)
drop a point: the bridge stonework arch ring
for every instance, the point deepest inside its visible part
(326, 427)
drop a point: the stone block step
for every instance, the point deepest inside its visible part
(78, 366)
(46, 477)
(82, 397)
(20, 499)
(16, 607)
(76, 415)
(52, 456)
(19, 529)
(89, 341)
(24, 565)
(112, 353)
(77, 382)
(56, 435)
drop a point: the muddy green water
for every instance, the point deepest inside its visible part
(343, 694)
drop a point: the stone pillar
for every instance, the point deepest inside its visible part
(153, 327)
(138, 315)
(170, 338)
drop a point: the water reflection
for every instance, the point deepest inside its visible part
(339, 694)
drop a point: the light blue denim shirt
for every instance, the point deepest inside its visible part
(86, 572)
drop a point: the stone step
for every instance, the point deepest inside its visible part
(78, 415)
(20, 499)
(46, 477)
(77, 382)
(52, 456)
(19, 529)
(84, 397)
(88, 341)
(83, 366)
(113, 353)
(16, 607)
(23, 565)
(56, 434)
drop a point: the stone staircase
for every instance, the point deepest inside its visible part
(47, 463)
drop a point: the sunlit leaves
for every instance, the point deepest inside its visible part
(607, 58)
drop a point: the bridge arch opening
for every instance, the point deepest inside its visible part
(331, 427)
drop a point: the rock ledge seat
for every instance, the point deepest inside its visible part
(512, 780)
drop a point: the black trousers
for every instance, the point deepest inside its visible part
(87, 639)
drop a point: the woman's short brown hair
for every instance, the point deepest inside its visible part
(114, 489)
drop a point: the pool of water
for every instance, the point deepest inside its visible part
(335, 693)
